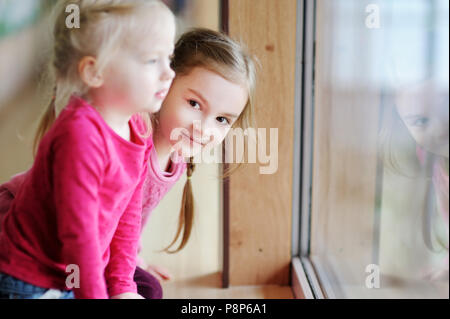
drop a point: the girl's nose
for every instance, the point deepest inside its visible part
(197, 127)
(209, 130)
(200, 132)
(168, 74)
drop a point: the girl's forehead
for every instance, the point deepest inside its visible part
(207, 79)
(156, 24)
(153, 40)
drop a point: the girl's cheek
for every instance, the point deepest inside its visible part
(188, 115)
(176, 120)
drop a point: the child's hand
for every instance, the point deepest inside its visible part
(159, 272)
(128, 295)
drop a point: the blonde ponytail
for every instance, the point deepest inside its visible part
(46, 122)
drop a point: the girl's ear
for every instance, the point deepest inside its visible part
(87, 69)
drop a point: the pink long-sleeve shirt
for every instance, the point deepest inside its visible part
(158, 183)
(155, 187)
(79, 204)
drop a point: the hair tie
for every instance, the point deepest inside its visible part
(189, 177)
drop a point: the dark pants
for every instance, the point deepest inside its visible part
(147, 285)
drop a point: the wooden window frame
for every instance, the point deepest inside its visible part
(302, 276)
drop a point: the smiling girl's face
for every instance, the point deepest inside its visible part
(425, 111)
(202, 106)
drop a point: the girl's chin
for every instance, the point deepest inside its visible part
(152, 107)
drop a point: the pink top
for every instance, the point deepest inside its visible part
(158, 183)
(79, 204)
(7, 192)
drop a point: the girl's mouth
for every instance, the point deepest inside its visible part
(162, 94)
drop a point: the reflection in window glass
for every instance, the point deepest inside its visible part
(381, 149)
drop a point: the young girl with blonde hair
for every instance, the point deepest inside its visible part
(214, 84)
(80, 203)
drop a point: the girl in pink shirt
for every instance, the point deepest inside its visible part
(211, 94)
(214, 83)
(75, 221)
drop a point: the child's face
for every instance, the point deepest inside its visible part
(424, 110)
(202, 106)
(139, 76)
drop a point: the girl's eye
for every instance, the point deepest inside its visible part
(194, 104)
(152, 61)
(223, 120)
(421, 122)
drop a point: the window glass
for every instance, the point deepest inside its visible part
(380, 189)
